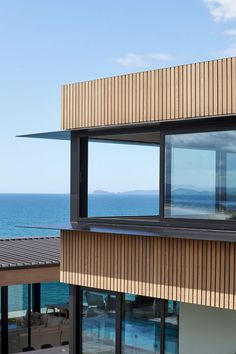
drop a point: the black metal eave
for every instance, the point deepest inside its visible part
(143, 230)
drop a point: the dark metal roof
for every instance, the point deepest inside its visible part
(29, 252)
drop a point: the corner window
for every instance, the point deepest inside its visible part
(123, 179)
(200, 175)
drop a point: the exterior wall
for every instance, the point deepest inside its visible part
(193, 271)
(206, 330)
(29, 275)
(196, 90)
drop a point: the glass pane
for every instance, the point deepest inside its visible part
(200, 175)
(140, 325)
(54, 317)
(231, 185)
(54, 293)
(123, 179)
(98, 323)
(17, 318)
(171, 327)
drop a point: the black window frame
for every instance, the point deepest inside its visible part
(76, 318)
(79, 171)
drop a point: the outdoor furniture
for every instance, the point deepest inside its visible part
(45, 346)
(95, 300)
(62, 308)
(65, 342)
(28, 349)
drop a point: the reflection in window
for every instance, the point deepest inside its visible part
(49, 324)
(141, 324)
(17, 318)
(53, 318)
(142, 320)
(123, 179)
(171, 327)
(98, 323)
(54, 293)
(200, 175)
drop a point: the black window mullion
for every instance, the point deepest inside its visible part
(75, 318)
(162, 175)
(79, 178)
(4, 319)
(162, 327)
(119, 301)
(36, 297)
(220, 188)
(29, 315)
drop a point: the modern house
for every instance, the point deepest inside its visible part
(166, 282)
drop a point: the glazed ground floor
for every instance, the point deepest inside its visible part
(33, 316)
(108, 322)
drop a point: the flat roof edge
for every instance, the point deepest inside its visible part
(142, 230)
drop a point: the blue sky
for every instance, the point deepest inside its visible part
(44, 44)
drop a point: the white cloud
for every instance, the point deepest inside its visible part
(222, 10)
(231, 50)
(139, 60)
(231, 33)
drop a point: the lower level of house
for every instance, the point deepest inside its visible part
(112, 322)
(137, 294)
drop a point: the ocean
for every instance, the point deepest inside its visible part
(28, 209)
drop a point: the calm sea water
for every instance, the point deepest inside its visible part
(26, 209)
(29, 209)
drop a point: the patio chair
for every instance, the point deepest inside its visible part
(95, 300)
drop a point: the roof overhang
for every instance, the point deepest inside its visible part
(147, 227)
(29, 260)
(144, 133)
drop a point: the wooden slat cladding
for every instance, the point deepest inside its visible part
(189, 91)
(193, 271)
(29, 275)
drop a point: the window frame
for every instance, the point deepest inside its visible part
(76, 296)
(79, 189)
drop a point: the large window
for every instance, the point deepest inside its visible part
(171, 341)
(123, 179)
(148, 325)
(37, 316)
(99, 322)
(141, 324)
(18, 304)
(200, 175)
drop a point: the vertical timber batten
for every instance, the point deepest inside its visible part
(181, 92)
(166, 277)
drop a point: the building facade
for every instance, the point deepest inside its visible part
(166, 282)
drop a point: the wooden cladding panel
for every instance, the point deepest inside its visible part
(193, 271)
(195, 90)
(29, 275)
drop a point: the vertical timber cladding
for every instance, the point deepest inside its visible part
(193, 271)
(195, 90)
